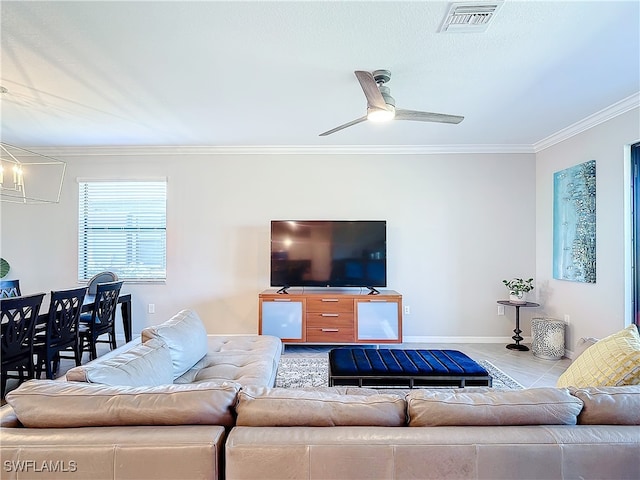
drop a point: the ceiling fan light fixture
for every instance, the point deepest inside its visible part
(381, 105)
(380, 115)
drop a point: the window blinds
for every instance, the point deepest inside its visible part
(122, 228)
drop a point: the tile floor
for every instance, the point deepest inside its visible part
(524, 367)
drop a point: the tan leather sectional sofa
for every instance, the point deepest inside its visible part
(163, 409)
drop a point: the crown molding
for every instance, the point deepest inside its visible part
(612, 111)
(591, 121)
(281, 150)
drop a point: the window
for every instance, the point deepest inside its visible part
(122, 228)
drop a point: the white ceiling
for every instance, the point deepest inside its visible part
(243, 74)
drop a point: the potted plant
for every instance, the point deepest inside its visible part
(518, 288)
(4, 268)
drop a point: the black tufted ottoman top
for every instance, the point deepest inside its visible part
(399, 368)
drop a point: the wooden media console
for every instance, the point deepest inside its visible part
(314, 315)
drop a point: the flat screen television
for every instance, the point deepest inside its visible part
(320, 253)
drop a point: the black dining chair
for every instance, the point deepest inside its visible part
(18, 317)
(101, 320)
(9, 288)
(60, 334)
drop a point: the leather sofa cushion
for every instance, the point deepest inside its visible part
(280, 407)
(609, 405)
(186, 337)
(56, 404)
(146, 364)
(245, 359)
(532, 406)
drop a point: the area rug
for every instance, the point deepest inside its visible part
(300, 372)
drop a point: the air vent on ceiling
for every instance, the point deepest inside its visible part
(471, 17)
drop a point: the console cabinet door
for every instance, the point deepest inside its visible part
(379, 320)
(283, 318)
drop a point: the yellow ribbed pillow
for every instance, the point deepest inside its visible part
(612, 361)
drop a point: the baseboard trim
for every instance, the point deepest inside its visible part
(433, 339)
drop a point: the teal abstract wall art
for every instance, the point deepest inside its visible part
(574, 223)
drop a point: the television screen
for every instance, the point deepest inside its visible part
(328, 253)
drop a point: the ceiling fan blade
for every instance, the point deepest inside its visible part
(427, 116)
(341, 127)
(371, 90)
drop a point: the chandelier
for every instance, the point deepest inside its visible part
(29, 177)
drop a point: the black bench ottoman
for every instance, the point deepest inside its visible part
(366, 367)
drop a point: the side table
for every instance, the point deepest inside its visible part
(517, 338)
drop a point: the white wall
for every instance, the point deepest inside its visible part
(595, 309)
(457, 225)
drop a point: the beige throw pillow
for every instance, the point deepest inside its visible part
(612, 361)
(147, 364)
(186, 337)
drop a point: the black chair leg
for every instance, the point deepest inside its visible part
(56, 364)
(41, 366)
(78, 355)
(94, 352)
(38, 367)
(48, 368)
(28, 373)
(83, 346)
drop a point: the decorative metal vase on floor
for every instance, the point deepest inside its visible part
(547, 338)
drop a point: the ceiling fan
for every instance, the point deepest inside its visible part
(381, 106)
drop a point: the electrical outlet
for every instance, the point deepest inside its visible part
(567, 318)
(407, 310)
(152, 308)
(500, 309)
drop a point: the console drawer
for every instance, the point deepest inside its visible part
(330, 335)
(329, 304)
(319, 319)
